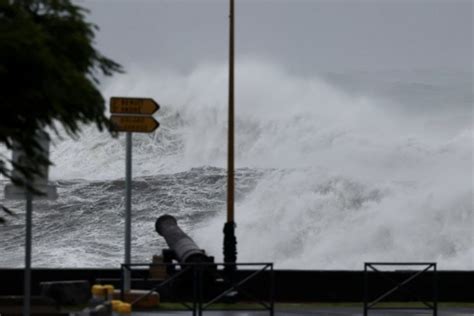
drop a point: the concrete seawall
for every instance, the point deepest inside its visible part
(291, 285)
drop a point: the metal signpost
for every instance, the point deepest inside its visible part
(131, 115)
(16, 192)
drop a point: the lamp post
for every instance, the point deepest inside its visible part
(230, 241)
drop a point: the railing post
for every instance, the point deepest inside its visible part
(435, 290)
(122, 281)
(366, 288)
(272, 290)
(195, 291)
(200, 283)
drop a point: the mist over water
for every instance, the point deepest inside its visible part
(334, 170)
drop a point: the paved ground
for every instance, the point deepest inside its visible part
(323, 311)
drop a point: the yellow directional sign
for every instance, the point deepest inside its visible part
(134, 123)
(133, 105)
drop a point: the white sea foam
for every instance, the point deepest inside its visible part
(354, 178)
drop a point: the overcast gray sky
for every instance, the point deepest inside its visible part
(302, 35)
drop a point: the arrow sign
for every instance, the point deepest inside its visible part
(132, 123)
(133, 105)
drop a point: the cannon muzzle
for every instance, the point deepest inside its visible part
(185, 249)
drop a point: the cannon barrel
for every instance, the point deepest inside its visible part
(184, 247)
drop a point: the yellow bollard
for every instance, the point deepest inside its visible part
(115, 307)
(98, 294)
(125, 309)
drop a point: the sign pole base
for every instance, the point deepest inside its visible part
(128, 210)
(27, 277)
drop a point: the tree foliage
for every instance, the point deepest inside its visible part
(49, 72)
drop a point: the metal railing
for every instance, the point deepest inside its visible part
(400, 286)
(209, 284)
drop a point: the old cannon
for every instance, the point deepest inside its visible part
(194, 270)
(182, 248)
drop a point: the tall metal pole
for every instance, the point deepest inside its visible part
(230, 242)
(28, 237)
(128, 208)
(230, 170)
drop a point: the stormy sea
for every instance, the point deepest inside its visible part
(333, 170)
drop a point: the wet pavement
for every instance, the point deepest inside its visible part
(321, 311)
